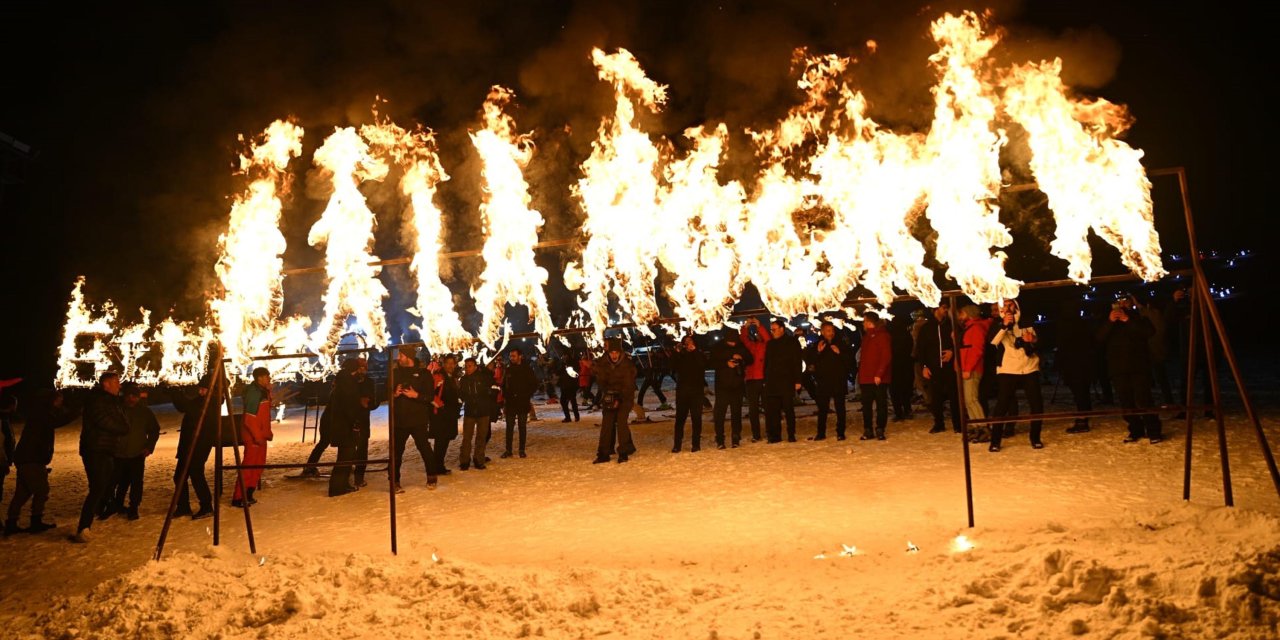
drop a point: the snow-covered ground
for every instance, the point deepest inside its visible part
(1087, 536)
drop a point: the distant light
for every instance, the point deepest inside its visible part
(961, 544)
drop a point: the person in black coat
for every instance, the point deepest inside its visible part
(196, 448)
(476, 392)
(903, 366)
(936, 350)
(132, 451)
(518, 386)
(690, 368)
(782, 370)
(31, 458)
(369, 401)
(831, 360)
(1075, 360)
(412, 400)
(104, 423)
(1126, 341)
(345, 409)
(448, 409)
(568, 384)
(730, 359)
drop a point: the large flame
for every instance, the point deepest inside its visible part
(415, 153)
(346, 229)
(618, 192)
(511, 276)
(1093, 180)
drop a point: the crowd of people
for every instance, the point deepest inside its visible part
(759, 372)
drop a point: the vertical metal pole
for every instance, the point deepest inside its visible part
(1212, 366)
(391, 451)
(186, 466)
(1220, 328)
(235, 451)
(960, 407)
(1191, 381)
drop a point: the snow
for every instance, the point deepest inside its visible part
(1086, 537)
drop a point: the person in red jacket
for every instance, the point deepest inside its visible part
(255, 431)
(875, 373)
(586, 374)
(973, 349)
(755, 338)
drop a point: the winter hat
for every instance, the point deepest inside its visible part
(613, 344)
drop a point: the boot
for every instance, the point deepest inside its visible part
(132, 513)
(38, 526)
(11, 527)
(203, 513)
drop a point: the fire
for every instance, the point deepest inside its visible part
(346, 229)
(81, 322)
(618, 192)
(964, 163)
(1093, 180)
(246, 312)
(415, 153)
(511, 276)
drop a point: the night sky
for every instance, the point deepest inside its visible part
(133, 114)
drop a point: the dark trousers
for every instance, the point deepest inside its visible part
(900, 393)
(33, 485)
(615, 432)
(1160, 372)
(198, 481)
(1082, 393)
(441, 448)
(99, 470)
(825, 398)
(755, 400)
(340, 479)
(569, 399)
(652, 381)
(690, 406)
(1133, 391)
(1008, 386)
(419, 434)
(728, 401)
(513, 421)
(129, 472)
(943, 390)
(874, 397)
(322, 443)
(361, 453)
(775, 409)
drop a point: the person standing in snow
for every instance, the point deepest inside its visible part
(197, 449)
(368, 402)
(830, 359)
(133, 449)
(730, 360)
(568, 383)
(617, 377)
(1019, 368)
(1126, 340)
(446, 410)
(32, 456)
(783, 362)
(935, 348)
(475, 390)
(413, 400)
(755, 338)
(875, 375)
(690, 369)
(346, 406)
(902, 370)
(103, 425)
(255, 432)
(518, 386)
(973, 352)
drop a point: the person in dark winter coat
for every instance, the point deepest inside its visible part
(903, 366)
(783, 361)
(195, 446)
(369, 401)
(255, 433)
(875, 375)
(616, 375)
(1074, 360)
(103, 425)
(568, 384)
(31, 458)
(344, 411)
(448, 409)
(412, 399)
(656, 367)
(730, 359)
(518, 386)
(475, 389)
(690, 369)
(755, 338)
(1126, 340)
(936, 351)
(132, 451)
(830, 360)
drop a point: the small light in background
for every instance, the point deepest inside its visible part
(961, 544)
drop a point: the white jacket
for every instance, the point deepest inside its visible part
(1015, 361)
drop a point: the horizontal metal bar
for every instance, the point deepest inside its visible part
(304, 465)
(1100, 413)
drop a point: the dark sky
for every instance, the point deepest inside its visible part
(134, 112)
